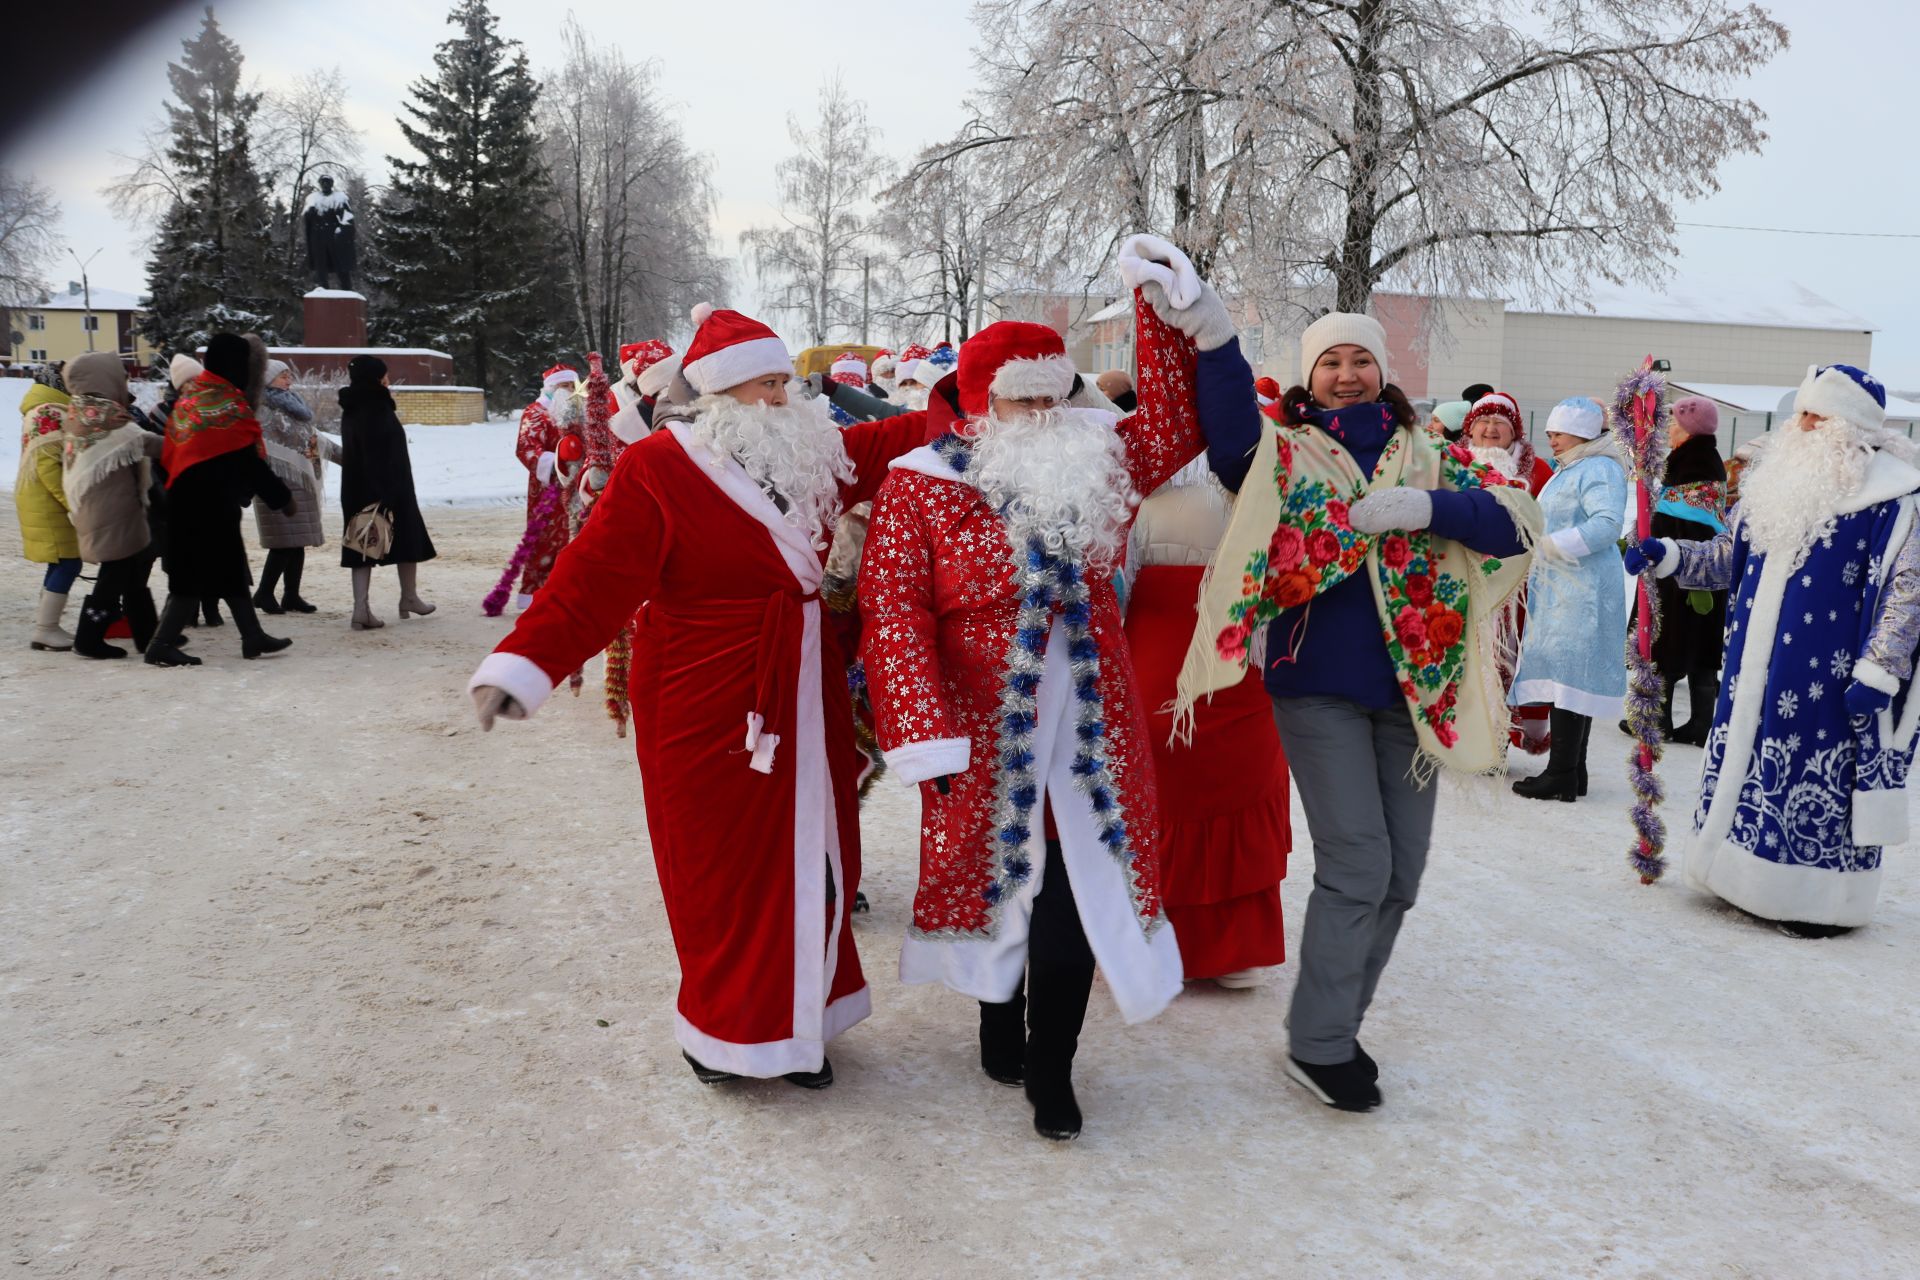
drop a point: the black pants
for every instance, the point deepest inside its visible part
(1059, 977)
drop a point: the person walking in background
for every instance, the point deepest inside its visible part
(216, 463)
(1494, 434)
(1571, 657)
(1448, 418)
(298, 453)
(1692, 507)
(107, 468)
(376, 478)
(40, 504)
(542, 423)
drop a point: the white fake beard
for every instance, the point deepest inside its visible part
(794, 451)
(566, 411)
(1059, 475)
(914, 397)
(1501, 460)
(1793, 494)
(887, 385)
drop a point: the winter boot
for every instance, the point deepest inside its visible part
(295, 568)
(47, 635)
(410, 601)
(1056, 1010)
(1003, 1040)
(1344, 1086)
(164, 649)
(90, 637)
(254, 640)
(210, 611)
(363, 619)
(141, 617)
(1703, 691)
(1666, 715)
(812, 1079)
(706, 1074)
(263, 598)
(1561, 778)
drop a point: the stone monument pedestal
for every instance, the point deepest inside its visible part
(335, 318)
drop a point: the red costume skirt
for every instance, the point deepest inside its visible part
(1223, 797)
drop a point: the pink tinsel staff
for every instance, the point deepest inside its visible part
(1640, 424)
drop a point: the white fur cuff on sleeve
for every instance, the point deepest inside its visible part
(1570, 541)
(918, 762)
(1669, 563)
(1874, 676)
(520, 678)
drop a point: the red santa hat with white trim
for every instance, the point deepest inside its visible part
(1496, 403)
(637, 357)
(849, 370)
(729, 349)
(1015, 360)
(558, 374)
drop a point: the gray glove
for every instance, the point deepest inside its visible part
(489, 702)
(1206, 321)
(1400, 509)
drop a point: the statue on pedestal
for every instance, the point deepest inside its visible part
(329, 225)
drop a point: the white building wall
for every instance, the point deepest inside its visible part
(1466, 343)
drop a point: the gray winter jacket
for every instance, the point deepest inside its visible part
(297, 452)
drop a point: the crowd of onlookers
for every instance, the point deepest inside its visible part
(104, 482)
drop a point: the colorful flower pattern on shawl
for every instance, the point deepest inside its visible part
(1704, 502)
(211, 418)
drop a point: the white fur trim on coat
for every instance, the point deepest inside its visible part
(741, 362)
(519, 678)
(1024, 377)
(1874, 676)
(1832, 394)
(917, 762)
(1669, 562)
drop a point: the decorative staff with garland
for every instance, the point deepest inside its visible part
(1367, 561)
(1690, 628)
(1640, 425)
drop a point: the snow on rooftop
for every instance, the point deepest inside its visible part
(335, 293)
(1791, 306)
(74, 298)
(1113, 311)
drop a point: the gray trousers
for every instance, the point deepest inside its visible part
(1370, 827)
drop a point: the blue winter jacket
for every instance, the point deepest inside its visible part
(1331, 646)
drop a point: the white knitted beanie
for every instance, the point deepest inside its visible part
(1342, 328)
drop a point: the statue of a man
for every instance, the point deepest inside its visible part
(329, 225)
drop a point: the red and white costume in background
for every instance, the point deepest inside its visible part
(743, 730)
(943, 610)
(1224, 793)
(1518, 461)
(629, 424)
(538, 448)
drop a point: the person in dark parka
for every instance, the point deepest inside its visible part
(376, 471)
(1692, 507)
(215, 465)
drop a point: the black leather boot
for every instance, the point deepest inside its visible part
(1703, 692)
(164, 649)
(90, 634)
(254, 639)
(1003, 1040)
(1561, 778)
(142, 619)
(296, 567)
(263, 597)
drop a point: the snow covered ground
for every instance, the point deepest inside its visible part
(304, 976)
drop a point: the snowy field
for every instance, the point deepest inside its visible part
(304, 976)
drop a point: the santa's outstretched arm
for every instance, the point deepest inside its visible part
(1178, 320)
(916, 728)
(1705, 565)
(1887, 661)
(872, 445)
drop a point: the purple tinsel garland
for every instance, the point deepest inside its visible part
(537, 522)
(1640, 417)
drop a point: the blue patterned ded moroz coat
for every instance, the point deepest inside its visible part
(1573, 655)
(1798, 797)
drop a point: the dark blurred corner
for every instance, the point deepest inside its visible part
(84, 36)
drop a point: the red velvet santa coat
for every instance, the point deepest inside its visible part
(742, 729)
(539, 434)
(942, 610)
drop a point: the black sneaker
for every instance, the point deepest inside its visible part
(860, 904)
(1367, 1064)
(705, 1073)
(812, 1079)
(1343, 1086)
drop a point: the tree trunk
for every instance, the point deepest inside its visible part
(1354, 275)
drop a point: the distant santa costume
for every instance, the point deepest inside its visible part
(1521, 463)
(635, 393)
(1223, 787)
(1010, 676)
(538, 448)
(743, 735)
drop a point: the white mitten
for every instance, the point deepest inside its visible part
(1170, 285)
(489, 702)
(1401, 509)
(543, 469)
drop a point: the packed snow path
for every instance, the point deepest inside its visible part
(304, 976)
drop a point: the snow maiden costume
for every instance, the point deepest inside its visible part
(1369, 560)
(1813, 734)
(1001, 682)
(743, 733)
(1572, 657)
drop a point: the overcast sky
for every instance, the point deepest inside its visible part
(1841, 103)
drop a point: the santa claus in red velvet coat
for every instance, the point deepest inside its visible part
(542, 424)
(1002, 684)
(634, 395)
(715, 528)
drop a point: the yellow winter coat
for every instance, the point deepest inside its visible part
(39, 493)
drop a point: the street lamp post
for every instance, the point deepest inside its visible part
(87, 320)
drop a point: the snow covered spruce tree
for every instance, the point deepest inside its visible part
(465, 245)
(213, 265)
(1312, 151)
(814, 265)
(633, 202)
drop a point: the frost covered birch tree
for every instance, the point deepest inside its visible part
(811, 264)
(952, 229)
(1312, 150)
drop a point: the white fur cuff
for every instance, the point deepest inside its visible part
(1570, 541)
(741, 362)
(1023, 378)
(1832, 394)
(520, 678)
(543, 469)
(918, 762)
(1669, 563)
(1874, 676)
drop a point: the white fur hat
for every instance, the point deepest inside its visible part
(1579, 416)
(1340, 329)
(1844, 392)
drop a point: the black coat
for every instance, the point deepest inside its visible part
(205, 555)
(375, 470)
(1688, 640)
